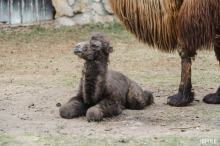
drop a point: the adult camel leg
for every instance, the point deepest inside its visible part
(215, 97)
(185, 94)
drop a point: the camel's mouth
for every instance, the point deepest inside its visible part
(77, 49)
(77, 53)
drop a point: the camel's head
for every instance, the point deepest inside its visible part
(97, 48)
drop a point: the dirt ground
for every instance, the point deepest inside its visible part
(38, 70)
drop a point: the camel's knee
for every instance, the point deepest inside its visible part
(138, 99)
(71, 110)
(94, 114)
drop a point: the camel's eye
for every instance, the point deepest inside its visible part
(96, 45)
(85, 48)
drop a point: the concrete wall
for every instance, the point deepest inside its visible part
(25, 11)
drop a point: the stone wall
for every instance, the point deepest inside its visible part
(71, 12)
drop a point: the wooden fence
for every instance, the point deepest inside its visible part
(25, 11)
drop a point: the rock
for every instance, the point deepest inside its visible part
(108, 129)
(62, 8)
(80, 6)
(183, 130)
(64, 21)
(31, 105)
(123, 141)
(81, 19)
(98, 9)
(58, 104)
(102, 19)
(107, 7)
(71, 2)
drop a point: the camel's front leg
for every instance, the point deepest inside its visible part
(73, 108)
(106, 108)
(185, 94)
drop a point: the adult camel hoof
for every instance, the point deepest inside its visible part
(180, 100)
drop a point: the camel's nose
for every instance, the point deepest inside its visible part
(78, 48)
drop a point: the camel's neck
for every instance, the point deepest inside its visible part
(94, 81)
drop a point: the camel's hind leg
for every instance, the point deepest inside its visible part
(215, 97)
(185, 95)
(217, 45)
(137, 98)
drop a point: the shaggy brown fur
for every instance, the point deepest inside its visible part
(102, 92)
(197, 24)
(183, 25)
(171, 23)
(217, 44)
(152, 21)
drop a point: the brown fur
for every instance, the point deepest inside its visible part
(217, 44)
(197, 24)
(183, 25)
(152, 21)
(170, 24)
(102, 92)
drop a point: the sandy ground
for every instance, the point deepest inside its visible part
(38, 70)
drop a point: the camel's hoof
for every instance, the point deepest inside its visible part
(212, 98)
(180, 100)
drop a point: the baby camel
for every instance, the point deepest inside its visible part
(102, 92)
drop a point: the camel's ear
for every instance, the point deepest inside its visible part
(110, 49)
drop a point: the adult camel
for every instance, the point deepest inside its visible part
(183, 25)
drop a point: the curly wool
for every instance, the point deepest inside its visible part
(169, 24)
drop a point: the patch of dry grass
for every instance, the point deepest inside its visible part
(42, 50)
